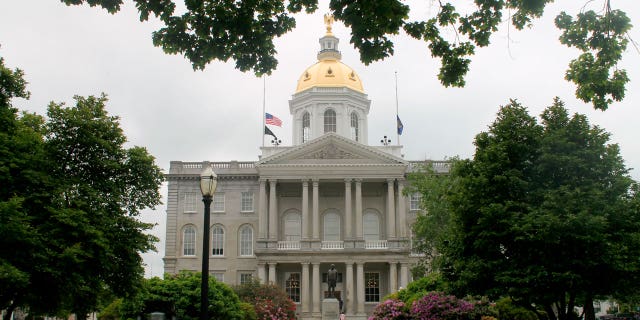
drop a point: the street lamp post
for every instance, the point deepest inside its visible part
(208, 182)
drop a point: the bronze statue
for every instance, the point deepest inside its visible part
(332, 278)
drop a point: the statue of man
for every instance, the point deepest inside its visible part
(332, 277)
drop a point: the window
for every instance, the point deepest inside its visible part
(415, 245)
(331, 227)
(354, 126)
(189, 241)
(371, 226)
(329, 121)
(246, 241)
(189, 202)
(292, 286)
(372, 287)
(217, 246)
(247, 202)
(306, 127)
(218, 202)
(246, 277)
(219, 276)
(414, 201)
(292, 227)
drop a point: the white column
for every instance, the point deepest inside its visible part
(304, 286)
(359, 209)
(393, 276)
(273, 210)
(316, 214)
(262, 210)
(316, 287)
(404, 274)
(262, 274)
(360, 286)
(349, 286)
(347, 210)
(305, 209)
(272, 272)
(391, 210)
(402, 211)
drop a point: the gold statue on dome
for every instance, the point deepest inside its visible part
(328, 20)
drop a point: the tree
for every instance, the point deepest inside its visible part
(70, 196)
(178, 295)
(244, 31)
(544, 213)
(268, 300)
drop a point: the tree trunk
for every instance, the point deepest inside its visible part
(9, 312)
(589, 312)
(550, 313)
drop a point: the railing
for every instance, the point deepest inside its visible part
(332, 245)
(439, 166)
(220, 165)
(376, 244)
(288, 245)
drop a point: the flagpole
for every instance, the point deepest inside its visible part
(397, 116)
(264, 103)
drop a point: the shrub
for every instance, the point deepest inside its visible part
(269, 301)
(390, 309)
(438, 306)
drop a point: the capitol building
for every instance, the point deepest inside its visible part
(329, 198)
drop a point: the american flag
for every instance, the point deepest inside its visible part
(273, 120)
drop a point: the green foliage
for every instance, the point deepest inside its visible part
(179, 296)
(244, 31)
(69, 199)
(603, 39)
(544, 213)
(432, 223)
(268, 300)
(507, 310)
(111, 311)
(419, 288)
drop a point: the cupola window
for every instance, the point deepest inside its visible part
(306, 127)
(329, 121)
(354, 127)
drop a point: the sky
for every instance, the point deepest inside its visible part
(180, 114)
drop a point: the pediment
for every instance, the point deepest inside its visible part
(331, 149)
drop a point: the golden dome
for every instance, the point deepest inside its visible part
(329, 73)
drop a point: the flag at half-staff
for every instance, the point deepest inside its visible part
(272, 120)
(268, 131)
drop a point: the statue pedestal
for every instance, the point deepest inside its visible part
(330, 309)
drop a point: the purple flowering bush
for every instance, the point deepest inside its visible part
(438, 306)
(390, 309)
(432, 306)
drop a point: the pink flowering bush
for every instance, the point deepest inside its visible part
(390, 309)
(438, 306)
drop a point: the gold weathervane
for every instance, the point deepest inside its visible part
(328, 20)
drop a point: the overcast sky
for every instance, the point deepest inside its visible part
(215, 114)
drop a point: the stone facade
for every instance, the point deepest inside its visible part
(328, 199)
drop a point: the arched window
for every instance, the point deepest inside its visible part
(354, 127)
(306, 127)
(217, 246)
(329, 121)
(189, 241)
(292, 227)
(246, 240)
(371, 226)
(331, 227)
